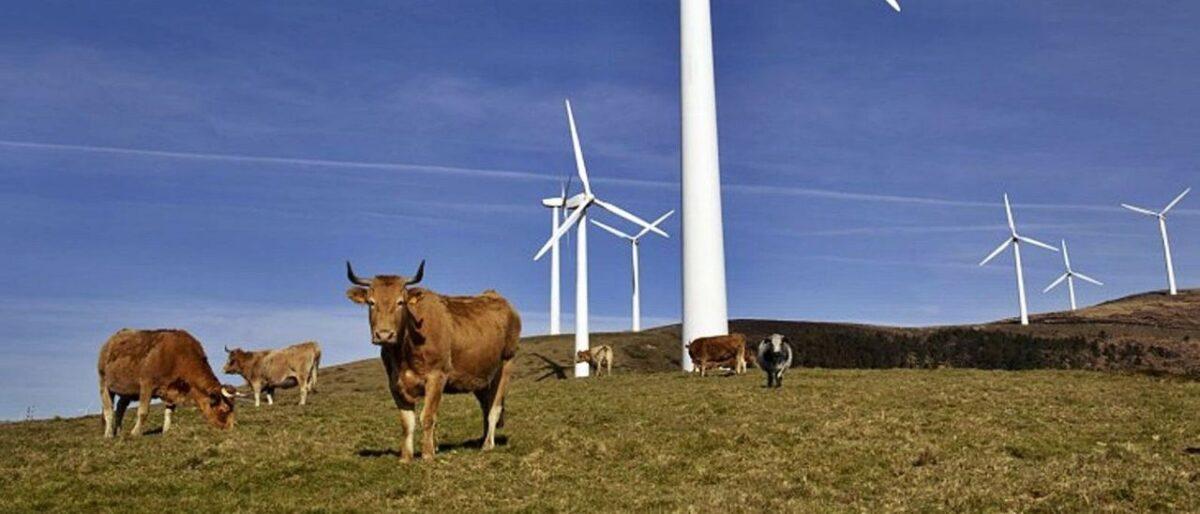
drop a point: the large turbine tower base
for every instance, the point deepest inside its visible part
(704, 302)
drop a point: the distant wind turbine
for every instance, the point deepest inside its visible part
(634, 241)
(555, 204)
(579, 204)
(1162, 227)
(1070, 276)
(1015, 240)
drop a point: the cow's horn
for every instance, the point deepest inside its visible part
(226, 393)
(420, 274)
(354, 279)
(227, 349)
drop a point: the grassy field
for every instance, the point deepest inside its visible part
(844, 440)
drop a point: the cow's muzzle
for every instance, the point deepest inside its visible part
(383, 337)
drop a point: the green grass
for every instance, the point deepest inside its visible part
(886, 440)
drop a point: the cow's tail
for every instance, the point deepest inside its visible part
(312, 373)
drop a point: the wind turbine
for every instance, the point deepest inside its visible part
(1162, 227)
(633, 248)
(579, 205)
(705, 310)
(1015, 240)
(555, 204)
(1069, 276)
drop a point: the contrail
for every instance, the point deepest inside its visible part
(416, 168)
(773, 190)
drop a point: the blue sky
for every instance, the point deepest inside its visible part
(210, 166)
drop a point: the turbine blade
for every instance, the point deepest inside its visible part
(562, 229)
(655, 223)
(1087, 278)
(895, 5)
(1147, 212)
(1176, 200)
(630, 217)
(996, 251)
(579, 165)
(611, 230)
(1012, 226)
(1066, 256)
(1035, 242)
(1056, 282)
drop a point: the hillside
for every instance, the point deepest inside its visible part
(651, 438)
(830, 440)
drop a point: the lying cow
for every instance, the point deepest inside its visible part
(598, 358)
(284, 368)
(710, 352)
(166, 364)
(430, 344)
(775, 357)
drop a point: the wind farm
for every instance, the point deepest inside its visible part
(781, 188)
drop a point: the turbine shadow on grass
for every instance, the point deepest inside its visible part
(556, 370)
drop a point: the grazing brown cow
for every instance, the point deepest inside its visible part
(283, 368)
(709, 352)
(597, 357)
(432, 344)
(167, 364)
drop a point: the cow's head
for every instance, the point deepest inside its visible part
(217, 405)
(387, 299)
(583, 356)
(776, 341)
(238, 361)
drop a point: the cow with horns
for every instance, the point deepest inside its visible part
(431, 344)
(168, 364)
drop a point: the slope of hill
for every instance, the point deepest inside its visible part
(829, 440)
(1150, 332)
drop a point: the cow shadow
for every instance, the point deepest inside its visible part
(371, 453)
(556, 370)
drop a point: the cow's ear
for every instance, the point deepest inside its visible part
(357, 295)
(414, 296)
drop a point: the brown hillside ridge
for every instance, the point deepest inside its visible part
(1150, 332)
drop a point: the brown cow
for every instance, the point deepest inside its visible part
(708, 352)
(167, 364)
(432, 344)
(598, 358)
(283, 368)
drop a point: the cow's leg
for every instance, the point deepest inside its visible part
(168, 410)
(497, 408)
(106, 408)
(119, 415)
(485, 407)
(257, 388)
(143, 409)
(434, 384)
(270, 395)
(408, 425)
(302, 378)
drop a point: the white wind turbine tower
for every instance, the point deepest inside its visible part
(555, 204)
(579, 205)
(1015, 240)
(1070, 276)
(634, 241)
(1162, 227)
(705, 310)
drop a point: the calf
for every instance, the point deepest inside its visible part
(283, 368)
(597, 357)
(166, 364)
(709, 352)
(774, 357)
